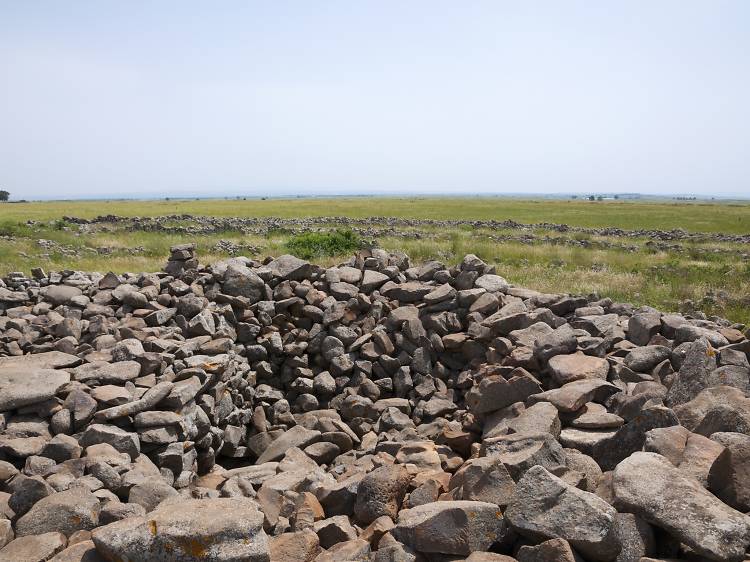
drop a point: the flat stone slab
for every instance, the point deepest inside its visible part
(46, 360)
(22, 386)
(6, 295)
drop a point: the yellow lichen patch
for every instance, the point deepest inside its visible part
(152, 527)
(197, 548)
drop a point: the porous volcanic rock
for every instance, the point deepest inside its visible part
(374, 410)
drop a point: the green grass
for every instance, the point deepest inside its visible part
(692, 216)
(716, 282)
(323, 244)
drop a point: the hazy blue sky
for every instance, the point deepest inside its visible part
(160, 98)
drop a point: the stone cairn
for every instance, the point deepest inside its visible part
(181, 258)
(373, 411)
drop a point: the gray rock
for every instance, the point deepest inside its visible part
(492, 283)
(64, 512)
(101, 372)
(643, 359)
(577, 366)
(642, 327)
(241, 281)
(297, 436)
(83, 551)
(372, 280)
(677, 503)
(632, 436)
(120, 439)
(450, 527)
(222, 530)
(149, 399)
(573, 396)
(692, 377)
(520, 451)
(23, 386)
(553, 550)
(483, 479)
(381, 493)
(37, 548)
(46, 360)
(334, 530)
(545, 507)
(729, 475)
(710, 403)
(635, 537)
(150, 493)
(560, 341)
(61, 294)
(494, 392)
(290, 267)
(541, 417)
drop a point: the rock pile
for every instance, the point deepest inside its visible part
(198, 224)
(181, 258)
(378, 411)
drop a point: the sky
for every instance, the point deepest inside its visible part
(137, 99)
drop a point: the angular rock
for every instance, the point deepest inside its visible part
(45, 360)
(23, 386)
(64, 512)
(289, 267)
(450, 527)
(221, 530)
(35, 548)
(381, 493)
(545, 507)
(574, 395)
(483, 479)
(297, 436)
(729, 474)
(520, 451)
(692, 377)
(677, 503)
(577, 366)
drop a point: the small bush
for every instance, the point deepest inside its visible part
(12, 228)
(61, 224)
(316, 244)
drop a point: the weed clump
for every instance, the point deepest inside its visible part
(315, 244)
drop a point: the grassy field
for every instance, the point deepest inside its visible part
(705, 274)
(692, 216)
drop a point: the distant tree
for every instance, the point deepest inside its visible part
(592, 198)
(574, 197)
(617, 196)
(600, 198)
(166, 199)
(4, 195)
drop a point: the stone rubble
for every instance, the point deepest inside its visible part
(374, 411)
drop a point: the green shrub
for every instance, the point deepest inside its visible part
(316, 244)
(61, 224)
(13, 228)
